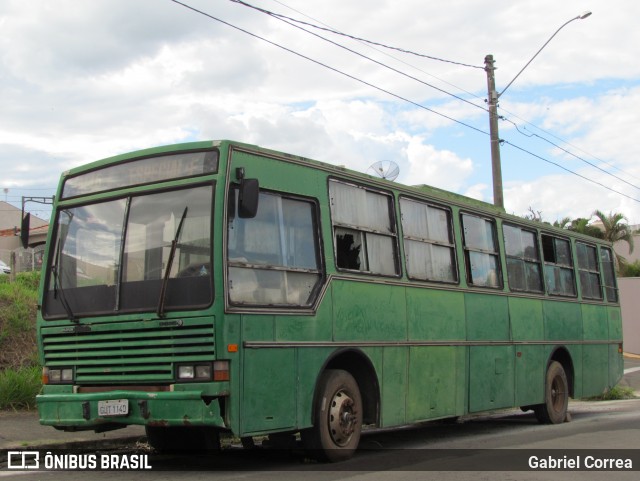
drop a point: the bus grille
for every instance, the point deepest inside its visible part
(127, 352)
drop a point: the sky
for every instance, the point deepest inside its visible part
(81, 81)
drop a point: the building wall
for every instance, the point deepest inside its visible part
(630, 306)
(622, 248)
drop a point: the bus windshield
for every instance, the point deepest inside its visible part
(140, 253)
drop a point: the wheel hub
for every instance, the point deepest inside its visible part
(342, 418)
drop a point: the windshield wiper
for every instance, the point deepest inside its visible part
(57, 287)
(172, 253)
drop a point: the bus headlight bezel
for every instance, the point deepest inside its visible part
(57, 375)
(194, 372)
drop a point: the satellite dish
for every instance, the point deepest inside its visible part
(387, 169)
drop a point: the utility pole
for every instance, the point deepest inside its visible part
(492, 99)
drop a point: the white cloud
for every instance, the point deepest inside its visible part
(83, 80)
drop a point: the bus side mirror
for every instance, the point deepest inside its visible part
(248, 198)
(24, 230)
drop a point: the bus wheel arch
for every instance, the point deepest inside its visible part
(561, 355)
(558, 387)
(356, 363)
(346, 396)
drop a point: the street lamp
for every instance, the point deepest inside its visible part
(493, 96)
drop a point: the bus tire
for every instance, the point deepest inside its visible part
(182, 439)
(337, 419)
(556, 396)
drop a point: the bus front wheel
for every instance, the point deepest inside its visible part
(556, 396)
(338, 417)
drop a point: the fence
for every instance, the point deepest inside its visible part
(23, 260)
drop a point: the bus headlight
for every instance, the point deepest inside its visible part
(57, 375)
(195, 372)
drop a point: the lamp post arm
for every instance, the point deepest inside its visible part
(579, 17)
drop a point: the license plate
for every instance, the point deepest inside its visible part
(117, 407)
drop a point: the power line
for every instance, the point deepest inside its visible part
(285, 19)
(353, 37)
(317, 62)
(288, 20)
(569, 170)
(564, 142)
(386, 54)
(572, 154)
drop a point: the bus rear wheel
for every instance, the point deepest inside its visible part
(338, 417)
(556, 396)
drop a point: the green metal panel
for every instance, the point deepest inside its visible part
(594, 322)
(562, 320)
(258, 327)
(178, 408)
(310, 361)
(527, 322)
(595, 369)
(432, 389)
(371, 312)
(394, 386)
(530, 375)
(575, 352)
(487, 317)
(275, 174)
(269, 390)
(616, 365)
(307, 328)
(435, 314)
(615, 323)
(491, 377)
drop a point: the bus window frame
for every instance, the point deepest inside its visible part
(611, 263)
(393, 223)
(571, 265)
(232, 212)
(452, 236)
(589, 271)
(540, 260)
(151, 189)
(467, 251)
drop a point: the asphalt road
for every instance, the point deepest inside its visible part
(479, 448)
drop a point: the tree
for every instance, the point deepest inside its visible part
(582, 226)
(631, 270)
(616, 229)
(562, 223)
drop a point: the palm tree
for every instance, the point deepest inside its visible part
(582, 226)
(616, 229)
(562, 224)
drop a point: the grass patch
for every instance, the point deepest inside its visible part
(18, 303)
(20, 372)
(18, 388)
(616, 393)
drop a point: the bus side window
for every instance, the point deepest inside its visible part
(364, 229)
(523, 259)
(589, 271)
(481, 251)
(608, 269)
(273, 258)
(558, 266)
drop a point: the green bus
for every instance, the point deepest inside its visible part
(218, 287)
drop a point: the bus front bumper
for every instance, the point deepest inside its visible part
(105, 411)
